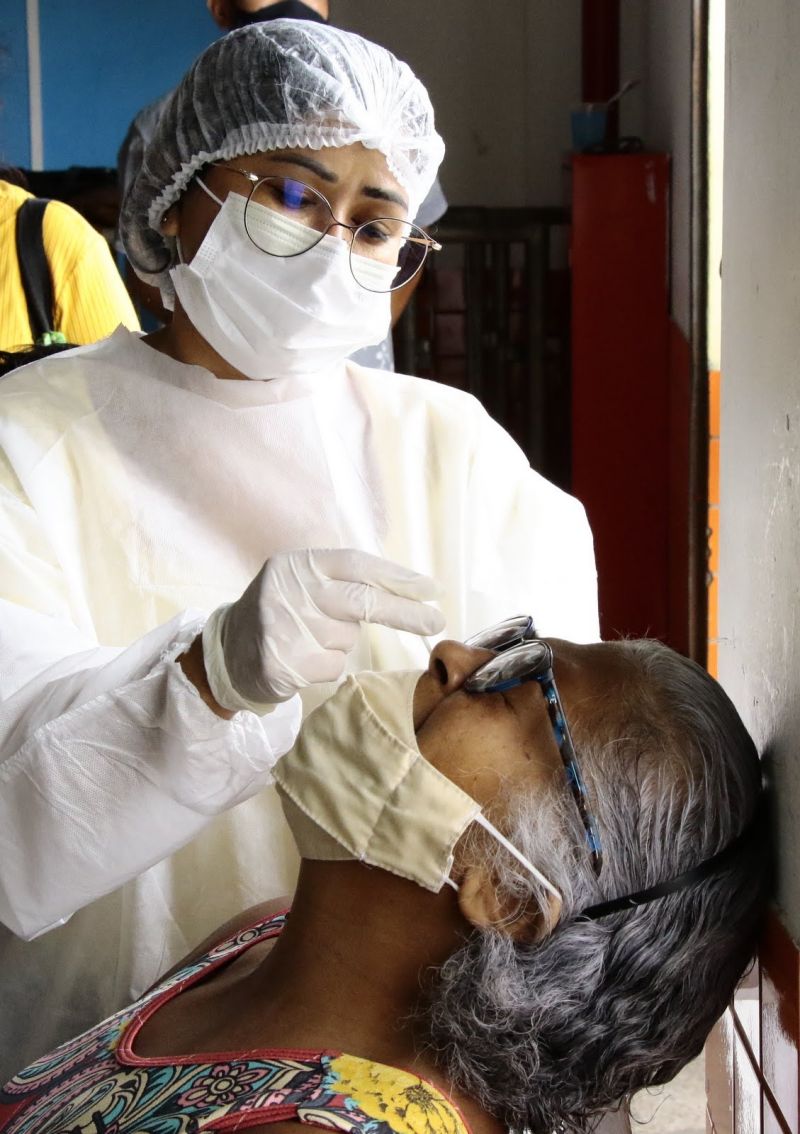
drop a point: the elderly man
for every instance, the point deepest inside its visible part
(479, 941)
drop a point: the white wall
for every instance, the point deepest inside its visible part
(716, 167)
(667, 51)
(760, 454)
(503, 79)
(632, 61)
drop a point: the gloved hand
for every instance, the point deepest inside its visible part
(299, 618)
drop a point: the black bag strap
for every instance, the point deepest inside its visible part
(34, 269)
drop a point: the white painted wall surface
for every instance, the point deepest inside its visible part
(716, 167)
(502, 77)
(760, 456)
(667, 116)
(632, 54)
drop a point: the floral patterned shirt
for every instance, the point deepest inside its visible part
(95, 1084)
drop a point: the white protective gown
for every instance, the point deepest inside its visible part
(137, 494)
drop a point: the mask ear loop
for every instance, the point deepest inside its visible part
(518, 855)
(206, 189)
(213, 197)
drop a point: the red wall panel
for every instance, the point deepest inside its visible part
(621, 408)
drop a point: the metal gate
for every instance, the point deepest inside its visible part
(491, 316)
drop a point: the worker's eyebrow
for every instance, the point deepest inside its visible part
(384, 195)
(374, 192)
(307, 163)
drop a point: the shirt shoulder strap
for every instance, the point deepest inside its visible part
(33, 266)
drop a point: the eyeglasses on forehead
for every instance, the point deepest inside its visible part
(522, 657)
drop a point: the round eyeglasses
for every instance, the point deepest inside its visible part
(522, 657)
(503, 635)
(285, 217)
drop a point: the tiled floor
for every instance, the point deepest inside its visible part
(677, 1108)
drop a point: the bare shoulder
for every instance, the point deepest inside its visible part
(250, 916)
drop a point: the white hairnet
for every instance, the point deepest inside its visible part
(276, 85)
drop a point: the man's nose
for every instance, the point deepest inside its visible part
(451, 663)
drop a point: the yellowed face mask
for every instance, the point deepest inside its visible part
(356, 786)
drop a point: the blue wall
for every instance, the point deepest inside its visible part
(102, 61)
(15, 137)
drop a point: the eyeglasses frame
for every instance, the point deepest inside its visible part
(542, 674)
(430, 244)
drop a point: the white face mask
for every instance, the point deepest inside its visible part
(356, 786)
(271, 317)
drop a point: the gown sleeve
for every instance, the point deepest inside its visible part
(109, 758)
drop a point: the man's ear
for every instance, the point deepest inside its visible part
(484, 906)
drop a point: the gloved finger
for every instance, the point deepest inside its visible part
(402, 613)
(304, 618)
(351, 566)
(320, 666)
(333, 633)
(361, 603)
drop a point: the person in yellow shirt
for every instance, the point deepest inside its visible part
(89, 297)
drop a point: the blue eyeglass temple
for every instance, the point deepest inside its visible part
(566, 748)
(541, 672)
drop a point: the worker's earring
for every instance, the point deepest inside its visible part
(169, 222)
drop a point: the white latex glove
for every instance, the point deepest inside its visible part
(299, 618)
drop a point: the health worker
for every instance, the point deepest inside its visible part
(199, 525)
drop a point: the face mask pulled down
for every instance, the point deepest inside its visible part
(274, 317)
(356, 786)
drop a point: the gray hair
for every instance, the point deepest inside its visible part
(548, 1034)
